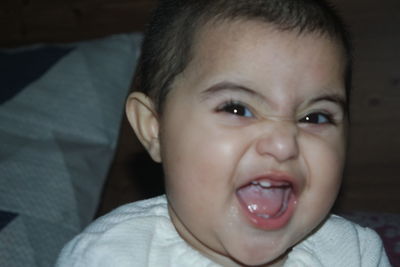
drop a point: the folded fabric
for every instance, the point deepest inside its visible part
(60, 111)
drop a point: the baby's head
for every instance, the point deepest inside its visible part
(245, 104)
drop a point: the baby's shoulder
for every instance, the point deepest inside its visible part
(127, 234)
(341, 229)
(338, 232)
(150, 210)
(340, 242)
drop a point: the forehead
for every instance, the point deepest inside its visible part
(223, 31)
(257, 52)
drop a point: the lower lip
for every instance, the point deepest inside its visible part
(273, 223)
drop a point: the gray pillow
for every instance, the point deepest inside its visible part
(60, 111)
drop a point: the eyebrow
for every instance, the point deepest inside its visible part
(229, 86)
(333, 98)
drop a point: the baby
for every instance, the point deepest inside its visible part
(245, 104)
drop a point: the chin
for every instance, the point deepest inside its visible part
(263, 262)
(260, 255)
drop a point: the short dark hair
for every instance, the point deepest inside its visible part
(166, 49)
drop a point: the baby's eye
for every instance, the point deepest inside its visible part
(317, 118)
(236, 108)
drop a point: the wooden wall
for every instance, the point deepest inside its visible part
(372, 177)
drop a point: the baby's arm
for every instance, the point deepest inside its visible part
(371, 249)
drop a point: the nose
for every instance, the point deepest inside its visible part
(279, 139)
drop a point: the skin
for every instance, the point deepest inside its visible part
(253, 101)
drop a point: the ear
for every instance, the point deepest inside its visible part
(144, 120)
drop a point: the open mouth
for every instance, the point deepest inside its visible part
(268, 203)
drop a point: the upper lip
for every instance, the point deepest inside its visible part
(276, 178)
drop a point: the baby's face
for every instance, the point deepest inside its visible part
(253, 140)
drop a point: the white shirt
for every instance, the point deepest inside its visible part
(142, 234)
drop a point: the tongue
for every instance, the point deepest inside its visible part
(263, 201)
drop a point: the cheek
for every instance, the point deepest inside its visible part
(322, 163)
(325, 164)
(199, 161)
(199, 166)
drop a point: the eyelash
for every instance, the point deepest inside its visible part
(236, 108)
(328, 118)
